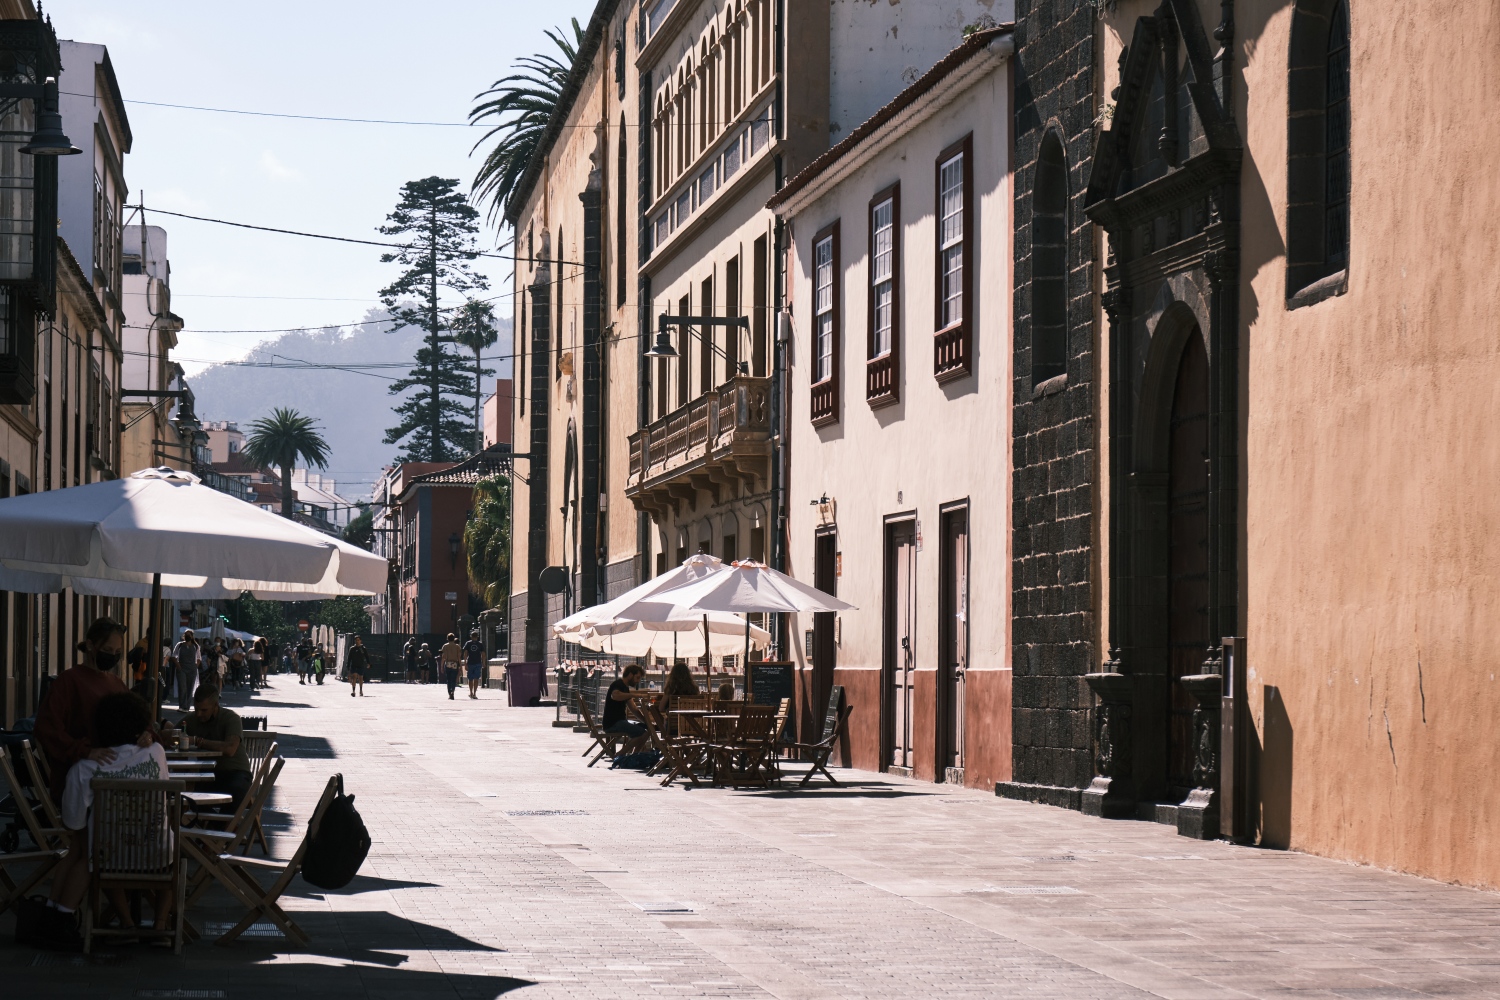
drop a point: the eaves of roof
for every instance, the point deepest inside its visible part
(926, 83)
(583, 63)
(491, 461)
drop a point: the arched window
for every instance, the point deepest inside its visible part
(1318, 163)
(1049, 263)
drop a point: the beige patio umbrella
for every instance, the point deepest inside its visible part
(160, 533)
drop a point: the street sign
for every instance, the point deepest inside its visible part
(303, 625)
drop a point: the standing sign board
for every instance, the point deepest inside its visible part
(770, 682)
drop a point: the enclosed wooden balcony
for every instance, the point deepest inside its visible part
(715, 448)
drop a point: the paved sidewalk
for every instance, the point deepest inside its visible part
(501, 863)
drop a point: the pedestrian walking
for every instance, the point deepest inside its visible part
(320, 663)
(474, 662)
(185, 657)
(237, 662)
(256, 659)
(452, 656)
(304, 660)
(356, 665)
(409, 657)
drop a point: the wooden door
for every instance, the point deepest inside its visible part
(825, 649)
(900, 636)
(1187, 512)
(953, 641)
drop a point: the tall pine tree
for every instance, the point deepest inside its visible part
(437, 226)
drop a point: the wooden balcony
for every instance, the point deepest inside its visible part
(718, 444)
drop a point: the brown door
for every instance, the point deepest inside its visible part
(825, 650)
(953, 614)
(900, 636)
(1187, 506)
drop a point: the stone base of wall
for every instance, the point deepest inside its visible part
(1047, 795)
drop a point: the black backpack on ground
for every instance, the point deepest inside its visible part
(340, 847)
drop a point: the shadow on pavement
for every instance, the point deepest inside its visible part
(361, 883)
(305, 746)
(258, 967)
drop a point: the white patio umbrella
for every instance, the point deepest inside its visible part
(745, 587)
(671, 631)
(159, 533)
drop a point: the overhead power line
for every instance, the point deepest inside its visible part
(346, 239)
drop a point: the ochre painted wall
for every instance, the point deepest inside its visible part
(1370, 529)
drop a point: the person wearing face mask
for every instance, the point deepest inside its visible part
(65, 720)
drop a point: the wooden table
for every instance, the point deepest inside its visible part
(190, 765)
(190, 776)
(174, 755)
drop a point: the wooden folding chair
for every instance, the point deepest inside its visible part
(817, 754)
(238, 835)
(32, 809)
(680, 755)
(740, 760)
(134, 832)
(608, 744)
(236, 873)
(258, 746)
(44, 857)
(38, 770)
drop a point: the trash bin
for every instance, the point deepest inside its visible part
(525, 683)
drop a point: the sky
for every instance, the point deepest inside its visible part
(369, 59)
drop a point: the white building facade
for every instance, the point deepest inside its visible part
(900, 383)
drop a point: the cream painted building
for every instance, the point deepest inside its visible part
(148, 436)
(740, 95)
(899, 375)
(575, 217)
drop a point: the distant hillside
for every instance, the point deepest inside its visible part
(354, 408)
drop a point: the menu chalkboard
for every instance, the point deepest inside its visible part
(771, 681)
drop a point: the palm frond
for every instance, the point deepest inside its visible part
(522, 104)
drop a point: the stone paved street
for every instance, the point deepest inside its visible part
(502, 864)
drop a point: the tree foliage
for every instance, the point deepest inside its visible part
(521, 104)
(267, 618)
(342, 614)
(281, 439)
(360, 530)
(487, 540)
(437, 226)
(474, 327)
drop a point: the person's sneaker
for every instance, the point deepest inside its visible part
(59, 931)
(31, 916)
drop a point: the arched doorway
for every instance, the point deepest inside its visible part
(1188, 554)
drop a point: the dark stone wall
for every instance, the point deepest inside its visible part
(1055, 426)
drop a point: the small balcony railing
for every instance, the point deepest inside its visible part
(720, 440)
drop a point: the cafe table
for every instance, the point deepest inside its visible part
(190, 776)
(692, 717)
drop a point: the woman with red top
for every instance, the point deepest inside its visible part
(65, 721)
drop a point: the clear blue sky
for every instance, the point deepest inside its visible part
(367, 59)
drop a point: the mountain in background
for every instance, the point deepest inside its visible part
(353, 408)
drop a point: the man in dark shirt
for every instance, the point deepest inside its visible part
(474, 662)
(356, 664)
(213, 727)
(614, 706)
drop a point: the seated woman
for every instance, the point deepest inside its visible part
(680, 684)
(122, 722)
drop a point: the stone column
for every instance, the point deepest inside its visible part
(1198, 815)
(1111, 793)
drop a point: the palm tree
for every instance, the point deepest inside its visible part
(487, 540)
(280, 440)
(473, 326)
(522, 104)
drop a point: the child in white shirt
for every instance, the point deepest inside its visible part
(122, 727)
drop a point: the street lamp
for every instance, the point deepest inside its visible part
(453, 549)
(49, 138)
(662, 347)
